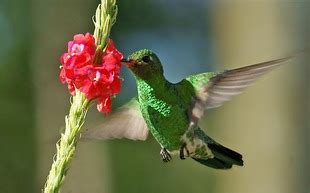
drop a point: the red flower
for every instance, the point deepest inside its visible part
(96, 81)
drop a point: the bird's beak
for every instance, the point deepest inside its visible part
(129, 62)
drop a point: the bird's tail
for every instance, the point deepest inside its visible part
(223, 157)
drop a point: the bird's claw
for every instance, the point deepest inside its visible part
(183, 147)
(165, 156)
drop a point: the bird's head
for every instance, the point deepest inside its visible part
(144, 64)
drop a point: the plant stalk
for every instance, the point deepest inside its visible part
(67, 144)
(104, 19)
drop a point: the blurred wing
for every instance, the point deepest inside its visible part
(222, 87)
(126, 122)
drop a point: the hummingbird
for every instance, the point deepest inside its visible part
(171, 111)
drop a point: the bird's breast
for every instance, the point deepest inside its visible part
(166, 121)
(164, 112)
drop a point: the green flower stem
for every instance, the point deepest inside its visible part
(104, 19)
(67, 143)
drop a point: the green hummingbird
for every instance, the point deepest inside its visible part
(171, 112)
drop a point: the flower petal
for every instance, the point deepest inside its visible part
(104, 105)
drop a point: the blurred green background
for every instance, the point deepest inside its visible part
(269, 124)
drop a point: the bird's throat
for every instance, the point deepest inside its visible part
(156, 85)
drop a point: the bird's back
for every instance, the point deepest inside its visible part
(198, 81)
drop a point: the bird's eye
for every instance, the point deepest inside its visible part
(146, 59)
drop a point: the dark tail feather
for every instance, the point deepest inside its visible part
(224, 158)
(214, 163)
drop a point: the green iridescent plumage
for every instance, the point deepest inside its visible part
(165, 106)
(172, 111)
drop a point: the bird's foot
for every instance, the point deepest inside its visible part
(165, 156)
(182, 148)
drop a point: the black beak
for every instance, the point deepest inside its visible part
(125, 60)
(129, 62)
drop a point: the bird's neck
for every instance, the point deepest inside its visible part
(155, 86)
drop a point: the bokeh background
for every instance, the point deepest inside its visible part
(269, 124)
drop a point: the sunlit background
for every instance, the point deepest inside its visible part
(269, 124)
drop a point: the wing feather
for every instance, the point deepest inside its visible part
(224, 86)
(126, 122)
